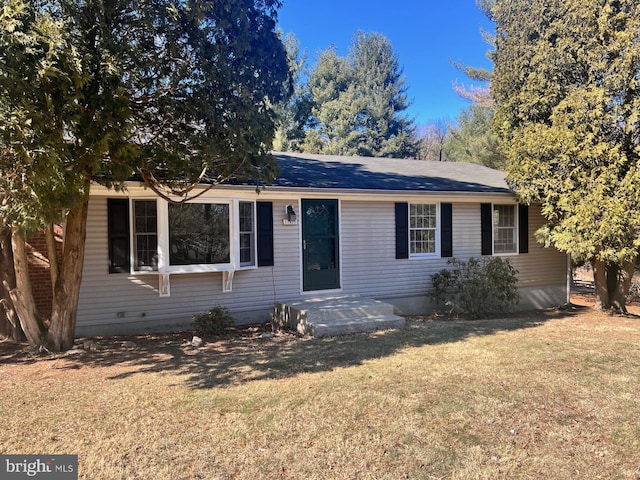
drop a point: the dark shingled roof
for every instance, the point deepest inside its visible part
(300, 170)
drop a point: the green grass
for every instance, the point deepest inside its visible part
(544, 395)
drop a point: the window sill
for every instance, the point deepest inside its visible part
(164, 277)
(180, 270)
(247, 267)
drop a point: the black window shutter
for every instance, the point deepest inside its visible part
(523, 229)
(446, 230)
(118, 235)
(265, 233)
(402, 230)
(486, 229)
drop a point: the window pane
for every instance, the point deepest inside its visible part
(145, 235)
(146, 216)
(504, 215)
(246, 217)
(423, 241)
(423, 222)
(504, 229)
(246, 249)
(247, 234)
(146, 252)
(198, 234)
(432, 216)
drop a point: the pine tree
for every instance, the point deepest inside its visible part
(473, 140)
(566, 86)
(358, 102)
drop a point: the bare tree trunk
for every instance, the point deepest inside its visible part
(600, 281)
(612, 283)
(9, 322)
(22, 294)
(62, 329)
(623, 277)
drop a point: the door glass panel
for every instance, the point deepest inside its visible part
(321, 254)
(320, 220)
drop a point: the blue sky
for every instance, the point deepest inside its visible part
(424, 33)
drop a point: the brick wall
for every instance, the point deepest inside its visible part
(39, 270)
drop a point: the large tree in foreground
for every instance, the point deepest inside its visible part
(566, 84)
(96, 90)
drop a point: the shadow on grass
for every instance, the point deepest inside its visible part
(248, 355)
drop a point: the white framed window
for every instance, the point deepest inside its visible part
(505, 229)
(247, 226)
(145, 235)
(193, 237)
(199, 234)
(424, 223)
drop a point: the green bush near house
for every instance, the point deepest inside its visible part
(215, 321)
(477, 287)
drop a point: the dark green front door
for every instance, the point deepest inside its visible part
(320, 245)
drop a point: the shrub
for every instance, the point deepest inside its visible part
(213, 322)
(476, 287)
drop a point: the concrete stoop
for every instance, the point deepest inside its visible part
(324, 317)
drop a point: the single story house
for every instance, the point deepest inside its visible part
(328, 226)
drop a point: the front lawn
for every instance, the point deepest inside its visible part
(546, 395)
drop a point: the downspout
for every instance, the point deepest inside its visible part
(569, 275)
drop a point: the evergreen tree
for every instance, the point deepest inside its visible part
(473, 140)
(566, 86)
(358, 102)
(293, 114)
(93, 91)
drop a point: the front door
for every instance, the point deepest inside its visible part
(320, 245)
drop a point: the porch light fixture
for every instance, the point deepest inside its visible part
(291, 214)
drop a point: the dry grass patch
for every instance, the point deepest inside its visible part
(542, 395)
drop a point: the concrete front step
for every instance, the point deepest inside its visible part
(321, 317)
(355, 325)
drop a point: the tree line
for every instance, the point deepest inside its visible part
(356, 105)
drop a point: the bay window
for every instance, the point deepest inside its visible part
(193, 237)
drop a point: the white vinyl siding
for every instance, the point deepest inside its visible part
(121, 302)
(541, 266)
(137, 299)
